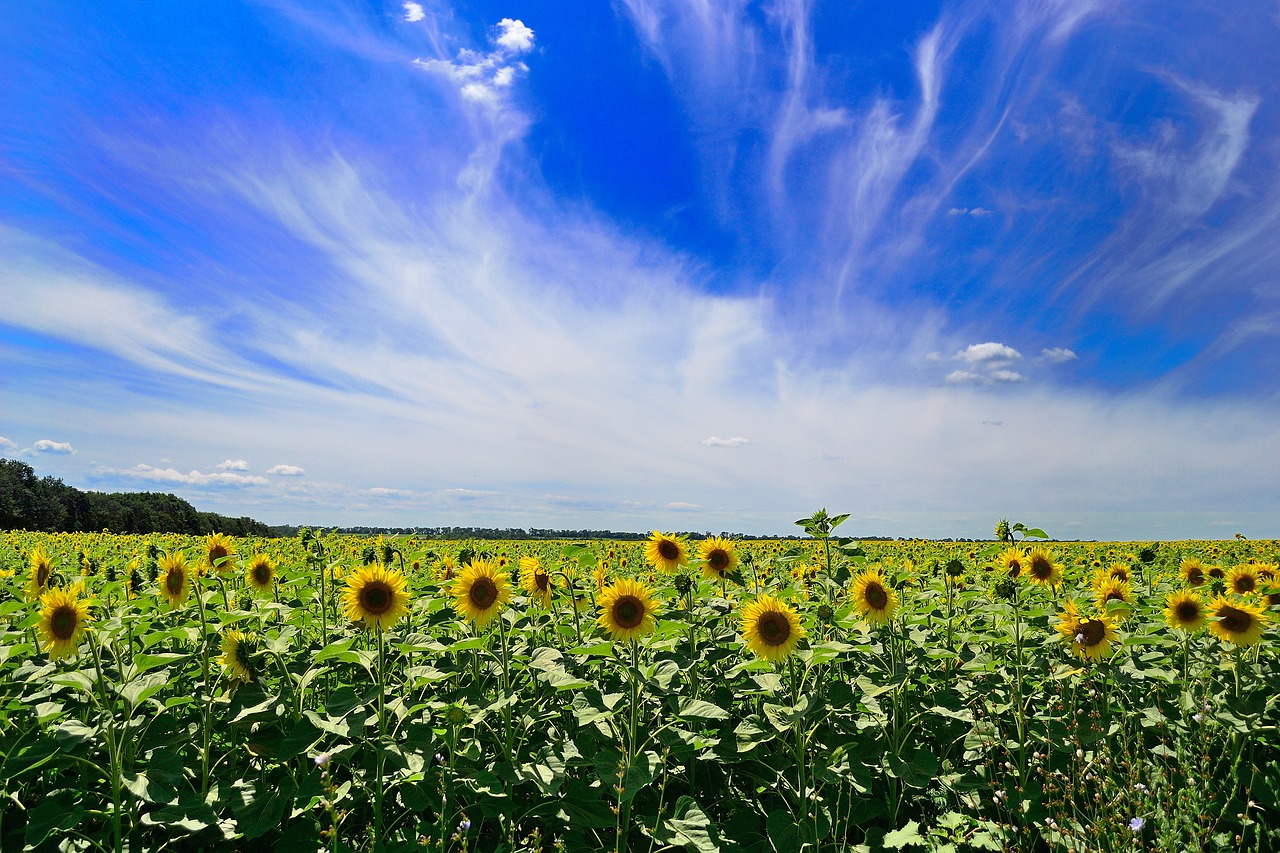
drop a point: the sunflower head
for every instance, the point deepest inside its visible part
(260, 575)
(1243, 580)
(1192, 571)
(874, 598)
(1042, 568)
(1184, 611)
(719, 557)
(1012, 562)
(1091, 637)
(39, 574)
(218, 553)
(64, 617)
(240, 655)
(377, 595)
(175, 578)
(627, 610)
(481, 591)
(666, 551)
(1237, 622)
(771, 628)
(1119, 571)
(1110, 590)
(535, 580)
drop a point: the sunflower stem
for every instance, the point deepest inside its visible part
(380, 747)
(113, 748)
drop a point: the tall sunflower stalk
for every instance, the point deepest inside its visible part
(116, 769)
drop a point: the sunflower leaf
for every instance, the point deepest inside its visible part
(907, 836)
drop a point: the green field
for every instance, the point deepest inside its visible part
(347, 693)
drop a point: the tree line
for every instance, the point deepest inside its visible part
(29, 502)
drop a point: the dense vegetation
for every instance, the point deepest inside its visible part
(349, 693)
(28, 502)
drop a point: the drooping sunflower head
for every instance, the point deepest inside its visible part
(481, 591)
(218, 553)
(719, 557)
(1042, 568)
(175, 578)
(1215, 573)
(1184, 611)
(666, 551)
(240, 655)
(64, 618)
(1237, 622)
(377, 595)
(627, 610)
(874, 598)
(1090, 637)
(1192, 571)
(447, 568)
(39, 574)
(260, 574)
(1267, 571)
(771, 628)
(1243, 580)
(1012, 562)
(535, 580)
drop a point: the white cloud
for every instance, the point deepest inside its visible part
(413, 12)
(286, 471)
(172, 476)
(969, 211)
(717, 441)
(990, 353)
(233, 465)
(514, 36)
(6, 444)
(965, 377)
(379, 491)
(60, 448)
(683, 506)
(1006, 376)
(1057, 355)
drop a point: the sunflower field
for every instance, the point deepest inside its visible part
(347, 693)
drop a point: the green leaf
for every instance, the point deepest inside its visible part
(257, 813)
(783, 832)
(693, 828)
(908, 836)
(701, 710)
(147, 662)
(1034, 531)
(137, 691)
(52, 815)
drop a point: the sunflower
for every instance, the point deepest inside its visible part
(666, 551)
(1090, 636)
(218, 553)
(1119, 571)
(1113, 590)
(1042, 568)
(1238, 623)
(1215, 573)
(480, 592)
(447, 568)
(1183, 611)
(175, 578)
(599, 575)
(63, 620)
(376, 594)
(1267, 571)
(238, 654)
(1243, 580)
(260, 574)
(627, 610)
(38, 576)
(719, 557)
(1192, 571)
(535, 580)
(1012, 562)
(874, 598)
(771, 628)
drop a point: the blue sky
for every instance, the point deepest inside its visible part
(650, 264)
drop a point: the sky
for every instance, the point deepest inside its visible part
(701, 265)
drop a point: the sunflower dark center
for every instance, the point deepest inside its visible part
(542, 581)
(376, 598)
(1217, 573)
(718, 560)
(1040, 568)
(774, 628)
(668, 550)
(876, 596)
(1091, 632)
(1120, 574)
(216, 553)
(1015, 568)
(244, 654)
(483, 593)
(1187, 611)
(1115, 595)
(1235, 620)
(1195, 577)
(1245, 583)
(628, 612)
(261, 574)
(62, 623)
(173, 581)
(42, 574)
